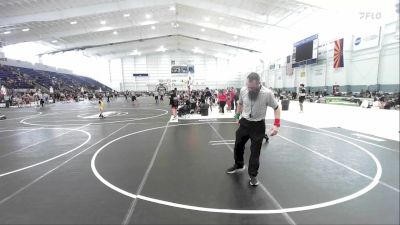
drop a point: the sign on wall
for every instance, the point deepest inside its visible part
(289, 67)
(182, 69)
(318, 71)
(140, 74)
(303, 73)
(367, 40)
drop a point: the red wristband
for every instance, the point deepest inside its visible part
(277, 122)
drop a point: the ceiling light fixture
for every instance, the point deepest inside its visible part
(26, 29)
(54, 41)
(7, 32)
(148, 22)
(148, 16)
(206, 18)
(203, 30)
(161, 49)
(115, 32)
(172, 8)
(127, 15)
(104, 29)
(176, 25)
(135, 52)
(221, 18)
(103, 22)
(235, 37)
(197, 50)
(73, 22)
(153, 27)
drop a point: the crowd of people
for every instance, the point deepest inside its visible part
(193, 101)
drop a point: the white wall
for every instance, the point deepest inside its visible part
(209, 71)
(377, 65)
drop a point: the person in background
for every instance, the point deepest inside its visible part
(162, 95)
(232, 97)
(174, 102)
(133, 96)
(222, 100)
(228, 104)
(156, 96)
(101, 107)
(302, 96)
(216, 92)
(236, 97)
(209, 97)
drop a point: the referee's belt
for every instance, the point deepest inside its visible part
(252, 122)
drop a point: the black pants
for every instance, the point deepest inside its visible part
(233, 104)
(254, 131)
(222, 105)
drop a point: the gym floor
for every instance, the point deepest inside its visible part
(61, 164)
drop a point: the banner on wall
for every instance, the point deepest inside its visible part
(338, 61)
(303, 73)
(271, 66)
(289, 67)
(318, 71)
(324, 48)
(367, 40)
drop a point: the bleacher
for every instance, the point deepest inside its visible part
(11, 79)
(26, 78)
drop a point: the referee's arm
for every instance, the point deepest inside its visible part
(239, 108)
(277, 112)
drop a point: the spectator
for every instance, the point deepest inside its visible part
(222, 100)
(232, 98)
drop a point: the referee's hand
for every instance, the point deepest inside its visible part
(274, 131)
(237, 117)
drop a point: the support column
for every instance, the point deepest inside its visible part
(122, 73)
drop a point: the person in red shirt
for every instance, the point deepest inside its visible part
(232, 95)
(222, 100)
(228, 104)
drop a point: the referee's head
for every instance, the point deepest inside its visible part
(253, 81)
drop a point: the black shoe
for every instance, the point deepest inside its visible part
(235, 169)
(254, 181)
(266, 138)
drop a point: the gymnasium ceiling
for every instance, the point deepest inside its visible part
(117, 28)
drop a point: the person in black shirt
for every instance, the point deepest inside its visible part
(173, 101)
(302, 96)
(208, 93)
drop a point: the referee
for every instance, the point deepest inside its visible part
(253, 102)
